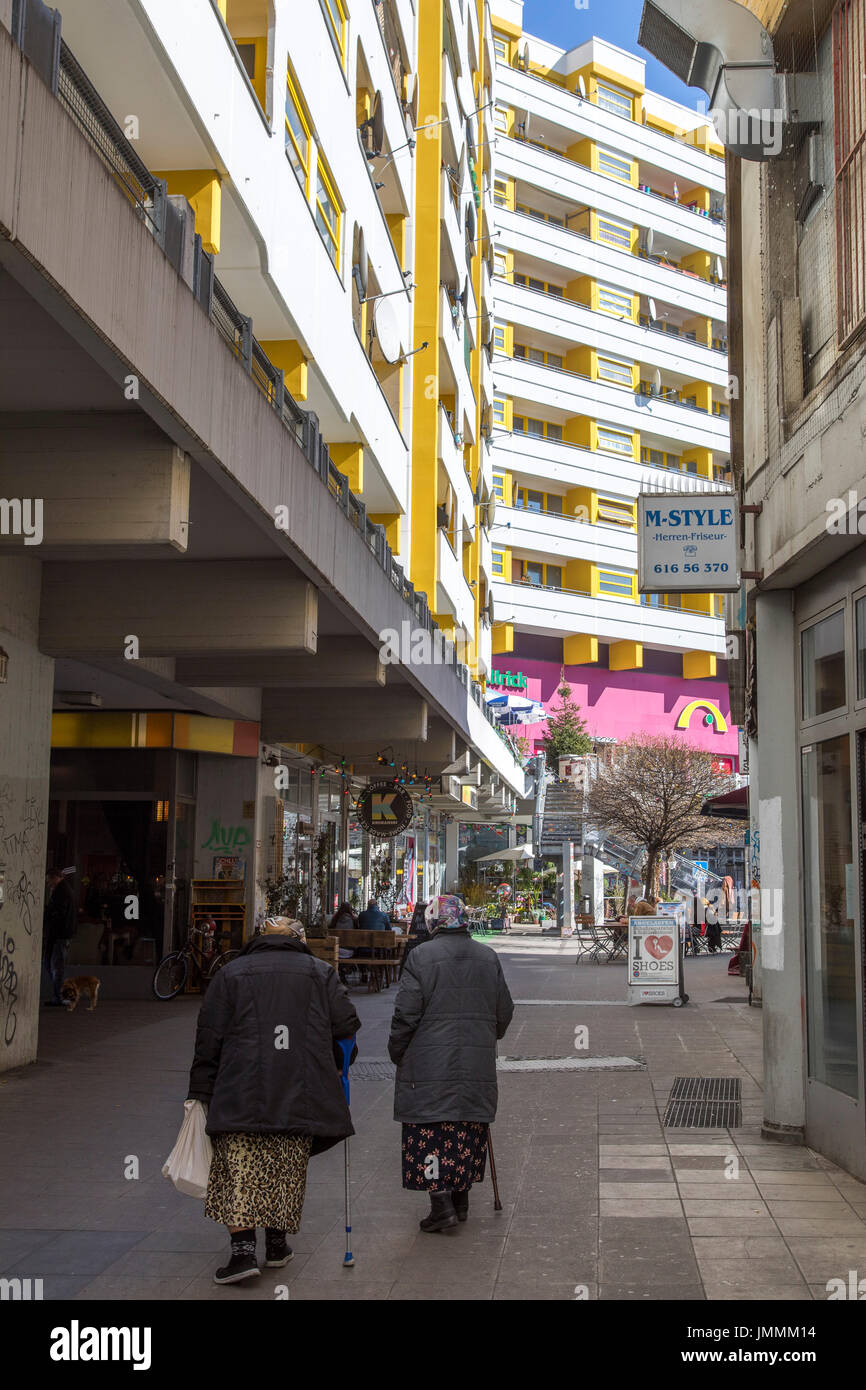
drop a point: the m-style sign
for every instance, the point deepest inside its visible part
(687, 543)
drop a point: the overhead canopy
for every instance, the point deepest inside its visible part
(729, 806)
(510, 856)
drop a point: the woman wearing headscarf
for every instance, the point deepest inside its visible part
(452, 1007)
(267, 1068)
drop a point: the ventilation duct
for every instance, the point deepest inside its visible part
(721, 47)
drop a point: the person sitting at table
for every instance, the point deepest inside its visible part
(344, 919)
(373, 918)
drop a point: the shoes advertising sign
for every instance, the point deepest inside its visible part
(654, 961)
(687, 543)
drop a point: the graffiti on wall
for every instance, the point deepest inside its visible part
(22, 844)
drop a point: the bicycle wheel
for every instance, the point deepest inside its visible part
(169, 977)
(220, 962)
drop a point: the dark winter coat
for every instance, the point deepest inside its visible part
(249, 1083)
(374, 919)
(452, 1006)
(59, 918)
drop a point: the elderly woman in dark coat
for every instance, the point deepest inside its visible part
(267, 1067)
(452, 1006)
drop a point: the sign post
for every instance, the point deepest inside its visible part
(655, 961)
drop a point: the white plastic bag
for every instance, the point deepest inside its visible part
(188, 1164)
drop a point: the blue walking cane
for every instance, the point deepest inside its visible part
(346, 1045)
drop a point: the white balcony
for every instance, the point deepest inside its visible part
(453, 342)
(575, 323)
(558, 612)
(453, 594)
(455, 125)
(564, 538)
(451, 457)
(566, 465)
(563, 178)
(553, 104)
(454, 238)
(576, 255)
(565, 392)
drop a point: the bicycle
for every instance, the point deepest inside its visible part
(170, 976)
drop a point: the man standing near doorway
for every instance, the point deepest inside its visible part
(58, 926)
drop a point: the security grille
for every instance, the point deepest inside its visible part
(704, 1102)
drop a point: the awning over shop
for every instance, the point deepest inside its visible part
(729, 806)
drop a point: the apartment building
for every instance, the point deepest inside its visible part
(610, 378)
(245, 278)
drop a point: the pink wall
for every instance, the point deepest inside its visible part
(616, 704)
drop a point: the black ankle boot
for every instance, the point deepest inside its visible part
(277, 1251)
(461, 1204)
(442, 1215)
(242, 1264)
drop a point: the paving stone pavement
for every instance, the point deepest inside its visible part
(599, 1200)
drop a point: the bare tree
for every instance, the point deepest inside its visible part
(653, 794)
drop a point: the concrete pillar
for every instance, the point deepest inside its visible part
(452, 858)
(776, 864)
(25, 751)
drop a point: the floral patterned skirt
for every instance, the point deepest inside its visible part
(444, 1156)
(258, 1180)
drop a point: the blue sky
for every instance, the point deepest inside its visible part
(561, 23)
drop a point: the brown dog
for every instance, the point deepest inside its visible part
(71, 991)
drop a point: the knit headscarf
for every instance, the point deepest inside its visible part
(445, 914)
(284, 926)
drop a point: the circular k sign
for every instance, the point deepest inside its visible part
(384, 810)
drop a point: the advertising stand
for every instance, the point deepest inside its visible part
(655, 960)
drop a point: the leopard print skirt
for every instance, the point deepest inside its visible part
(258, 1180)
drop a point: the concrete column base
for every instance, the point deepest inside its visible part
(783, 1134)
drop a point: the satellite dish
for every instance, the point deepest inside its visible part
(490, 333)
(486, 422)
(463, 170)
(464, 94)
(657, 382)
(373, 129)
(387, 327)
(720, 270)
(526, 57)
(648, 241)
(464, 297)
(581, 86)
(360, 270)
(652, 310)
(489, 514)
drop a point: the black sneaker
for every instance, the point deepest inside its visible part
(240, 1266)
(277, 1253)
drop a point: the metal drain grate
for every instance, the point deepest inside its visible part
(704, 1102)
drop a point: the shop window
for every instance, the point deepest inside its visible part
(860, 612)
(822, 648)
(831, 943)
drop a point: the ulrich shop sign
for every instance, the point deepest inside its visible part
(514, 680)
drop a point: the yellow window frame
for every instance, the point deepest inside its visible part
(337, 17)
(332, 236)
(293, 93)
(497, 564)
(614, 158)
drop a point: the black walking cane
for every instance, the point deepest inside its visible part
(497, 1205)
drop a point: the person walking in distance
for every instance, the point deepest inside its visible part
(267, 1066)
(452, 1006)
(58, 926)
